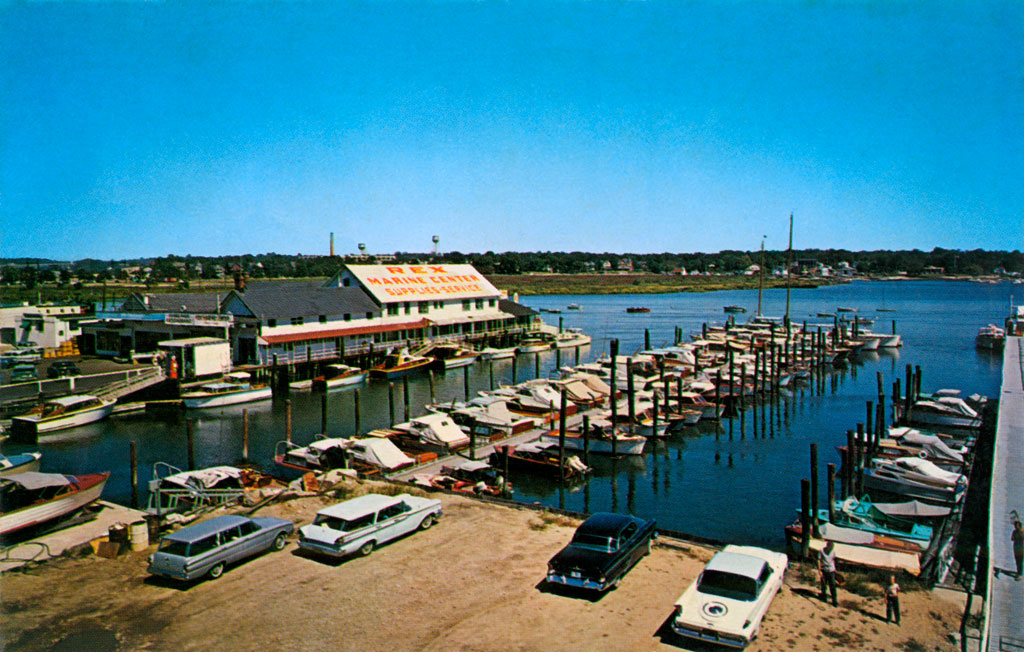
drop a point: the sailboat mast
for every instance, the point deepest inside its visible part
(789, 264)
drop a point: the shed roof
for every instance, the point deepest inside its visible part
(515, 309)
(283, 300)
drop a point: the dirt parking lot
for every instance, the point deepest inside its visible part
(472, 582)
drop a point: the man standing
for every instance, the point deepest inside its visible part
(827, 569)
(892, 600)
(1018, 545)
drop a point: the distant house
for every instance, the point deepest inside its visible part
(845, 270)
(932, 270)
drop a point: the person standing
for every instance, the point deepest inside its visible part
(892, 601)
(827, 571)
(1017, 536)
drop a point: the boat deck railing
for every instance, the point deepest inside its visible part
(188, 501)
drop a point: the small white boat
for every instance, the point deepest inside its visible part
(339, 375)
(491, 353)
(571, 337)
(433, 432)
(61, 413)
(452, 357)
(20, 463)
(235, 389)
(600, 438)
(30, 499)
(326, 453)
(991, 338)
(534, 345)
(949, 411)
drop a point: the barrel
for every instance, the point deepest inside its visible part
(118, 533)
(139, 534)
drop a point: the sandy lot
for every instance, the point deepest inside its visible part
(473, 582)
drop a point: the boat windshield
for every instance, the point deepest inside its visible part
(727, 585)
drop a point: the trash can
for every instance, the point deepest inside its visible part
(139, 535)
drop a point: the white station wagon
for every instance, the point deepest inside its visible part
(363, 523)
(730, 598)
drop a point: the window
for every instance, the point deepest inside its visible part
(323, 319)
(346, 282)
(271, 323)
(465, 304)
(392, 511)
(348, 317)
(479, 304)
(439, 305)
(203, 545)
(491, 302)
(248, 528)
(296, 321)
(424, 307)
(408, 307)
(369, 315)
(392, 309)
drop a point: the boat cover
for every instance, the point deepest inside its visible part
(204, 478)
(925, 467)
(873, 557)
(33, 480)
(380, 452)
(912, 509)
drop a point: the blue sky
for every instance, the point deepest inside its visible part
(208, 128)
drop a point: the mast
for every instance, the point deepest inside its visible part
(760, 278)
(789, 264)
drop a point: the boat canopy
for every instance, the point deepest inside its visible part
(71, 401)
(33, 480)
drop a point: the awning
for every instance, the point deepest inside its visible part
(343, 332)
(470, 319)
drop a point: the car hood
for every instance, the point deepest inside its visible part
(576, 557)
(712, 611)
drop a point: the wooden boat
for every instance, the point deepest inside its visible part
(990, 338)
(473, 477)
(734, 309)
(571, 337)
(491, 353)
(534, 345)
(573, 306)
(540, 458)
(339, 375)
(234, 389)
(432, 433)
(367, 456)
(452, 357)
(20, 463)
(948, 411)
(400, 364)
(31, 499)
(61, 413)
(637, 309)
(601, 439)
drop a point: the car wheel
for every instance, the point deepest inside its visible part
(366, 548)
(427, 521)
(217, 571)
(280, 542)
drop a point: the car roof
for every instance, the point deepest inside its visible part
(206, 528)
(360, 506)
(737, 564)
(605, 523)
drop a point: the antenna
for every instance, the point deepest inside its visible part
(435, 239)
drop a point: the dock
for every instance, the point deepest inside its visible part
(1004, 628)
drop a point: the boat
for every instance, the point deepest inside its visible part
(234, 389)
(990, 338)
(885, 341)
(854, 537)
(20, 463)
(450, 356)
(174, 490)
(474, 477)
(492, 353)
(368, 456)
(911, 441)
(916, 478)
(540, 458)
(533, 397)
(491, 412)
(852, 513)
(950, 411)
(735, 310)
(534, 344)
(31, 499)
(62, 413)
(400, 364)
(845, 309)
(602, 439)
(339, 375)
(573, 306)
(571, 337)
(434, 433)
(637, 309)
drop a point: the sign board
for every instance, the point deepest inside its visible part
(391, 283)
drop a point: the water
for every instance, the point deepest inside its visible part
(738, 483)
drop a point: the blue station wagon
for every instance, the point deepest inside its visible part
(206, 548)
(602, 550)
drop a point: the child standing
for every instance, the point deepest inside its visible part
(892, 600)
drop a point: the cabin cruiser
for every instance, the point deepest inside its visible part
(602, 438)
(62, 413)
(400, 364)
(235, 388)
(450, 356)
(533, 397)
(949, 411)
(371, 454)
(571, 337)
(339, 375)
(432, 432)
(540, 458)
(915, 478)
(32, 498)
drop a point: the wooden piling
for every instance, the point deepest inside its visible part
(515, 375)
(654, 433)
(465, 383)
(869, 426)
(133, 461)
(536, 365)
(831, 491)
(504, 459)
(430, 379)
(323, 413)
(805, 521)
(844, 460)
(391, 404)
(851, 459)
(490, 373)
(563, 409)
(245, 434)
(908, 394)
(586, 439)
(631, 394)
(647, 339)
(814, 490)
(917, 382)
(406, 399)
(190, 442)
(472, 443)
(355, 399)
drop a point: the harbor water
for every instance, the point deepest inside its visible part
(737, 482)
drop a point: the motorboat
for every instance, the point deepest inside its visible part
(400, 364)
(174, 490)
(571, 337)
(235, 388)
(540, 458)
(852, 513)
(536, 344)
(911, 441)
(474, 477)
(452, 357)
(62, 413)
(735, 310)
(20, 463)
(635, 309)
(885, 341)
(491, 353)
(857, 537)
(367, 455)
(914, 477)
(602, 438)
(573, 306)
(532, 397)
(32, 498)
(436, 433)
(990, 338)
(950, 411)
(493, 412)
(339, 375)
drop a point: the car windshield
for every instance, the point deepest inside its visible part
(179, 548)
(727, 585)
(593, 541)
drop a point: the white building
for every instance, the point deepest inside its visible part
(47, 326)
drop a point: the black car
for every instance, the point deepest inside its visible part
(62, 368)
(603, 549)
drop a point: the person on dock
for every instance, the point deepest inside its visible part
(892, 601)
(1017, 536)
(827, 571)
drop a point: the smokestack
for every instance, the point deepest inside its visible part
(239, 280)
(332, 244)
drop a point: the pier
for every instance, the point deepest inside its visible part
(1003, 628)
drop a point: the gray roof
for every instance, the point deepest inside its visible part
(176, 302)
(283, 300)
(515, 309)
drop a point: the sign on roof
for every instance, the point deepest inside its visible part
(389, 283)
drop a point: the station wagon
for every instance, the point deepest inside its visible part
(602, 550)
(206, 548)
(363, 523)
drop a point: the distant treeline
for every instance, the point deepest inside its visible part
(28, 272)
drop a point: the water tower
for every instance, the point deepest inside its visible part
(362, 249)
(436, 240)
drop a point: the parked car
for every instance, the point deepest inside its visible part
(23, 373)
(62, 368)
(206, 548)
(602, 551)
(727, 603)
(363, 523)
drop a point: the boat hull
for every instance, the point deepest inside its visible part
(91, 489)
(36, 425)
(337, 382)
(629, 446)
(221, 400)
(22, 463)
(398, 372)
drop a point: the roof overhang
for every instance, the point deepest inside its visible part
(343, 332)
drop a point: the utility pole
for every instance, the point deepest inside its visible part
(789, 264)
(760, 278)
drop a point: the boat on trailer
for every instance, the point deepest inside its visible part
(32, 499)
